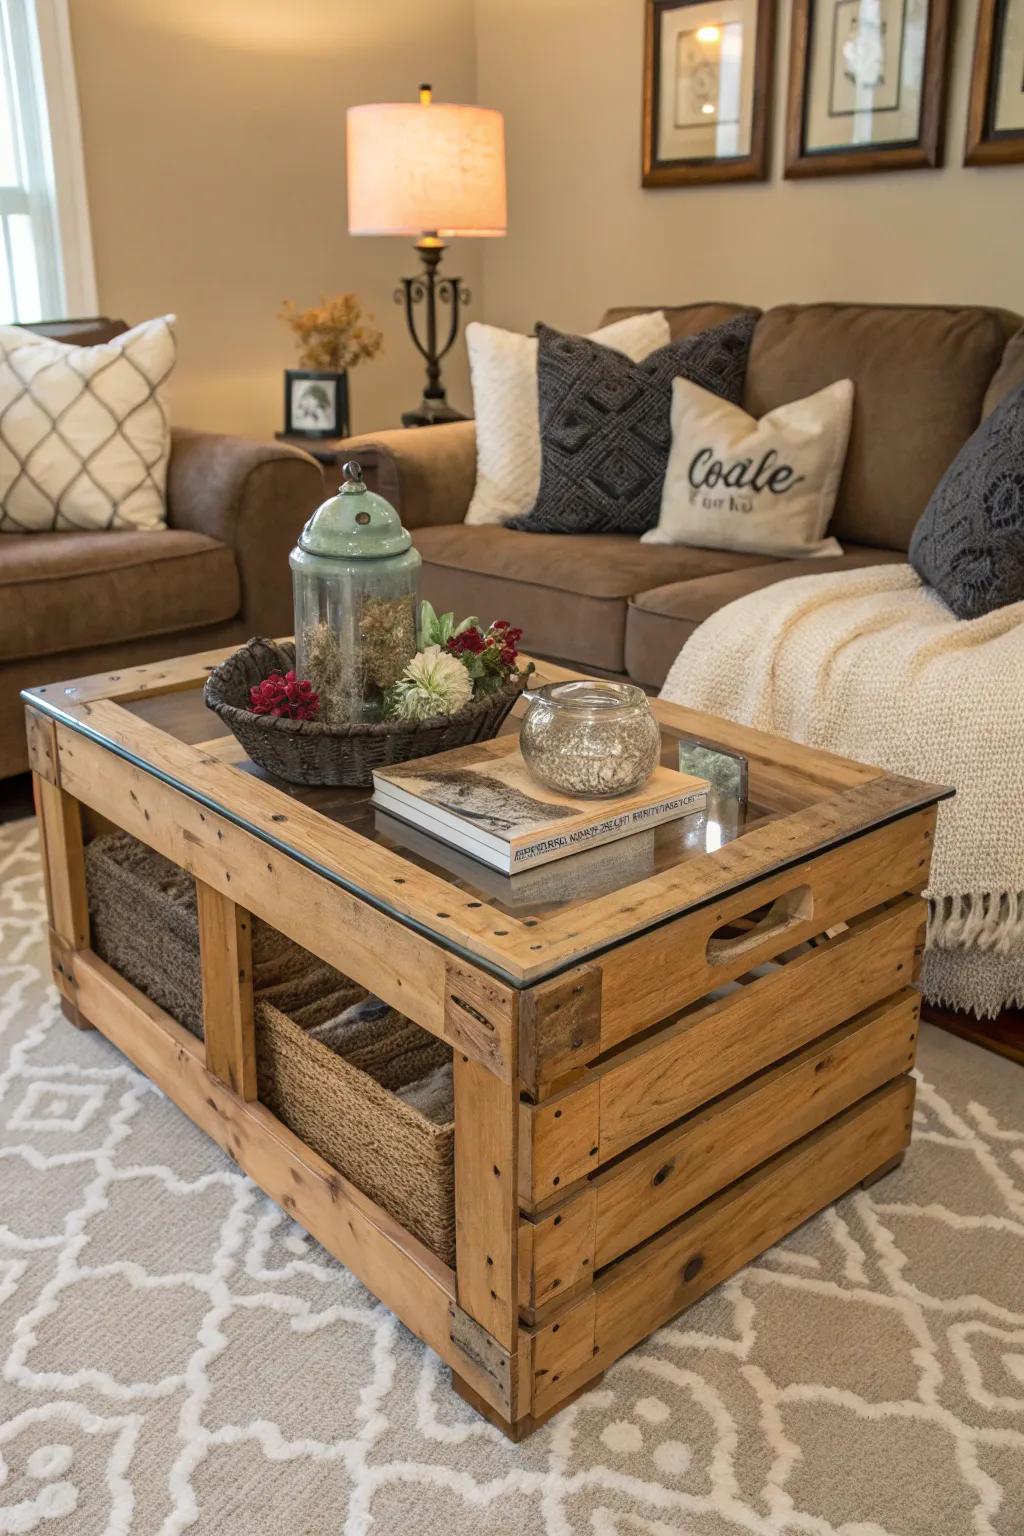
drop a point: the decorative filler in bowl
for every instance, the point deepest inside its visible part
(457, 689)
(591, 738)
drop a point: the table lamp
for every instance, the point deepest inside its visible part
(430, 169)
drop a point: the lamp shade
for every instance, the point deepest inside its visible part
(425, 167)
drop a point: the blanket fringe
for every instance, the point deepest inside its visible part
(993, 922)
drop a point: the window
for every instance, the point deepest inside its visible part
(46, 269)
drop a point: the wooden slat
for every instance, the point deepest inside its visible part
(127, 683)
(41, 739)
(225, 954)
(486, 1222)
(645, 979)
(647, 1086)
(64, 852)
(393, 1264)
(648, 1287)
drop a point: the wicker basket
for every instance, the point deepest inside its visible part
(307, 752)
(335, 1083)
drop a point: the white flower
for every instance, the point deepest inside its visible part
(433, 683)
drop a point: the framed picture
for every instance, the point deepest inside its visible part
(315, 404)
(995, 114)
(707, 91)
(867, 86)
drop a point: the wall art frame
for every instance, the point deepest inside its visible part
(868, 85)
(992, 139)
(694, 48)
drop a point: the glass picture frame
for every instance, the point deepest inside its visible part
(995, 113)
(867, 86)
(707, 91)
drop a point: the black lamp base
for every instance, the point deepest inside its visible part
(433, 409)
(432, 413)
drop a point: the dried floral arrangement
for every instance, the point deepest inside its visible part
(456, 662)
(333, 335)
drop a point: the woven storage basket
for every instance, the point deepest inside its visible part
(307, 752)
(344, 1106)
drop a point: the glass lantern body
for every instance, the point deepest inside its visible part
(355, 583)
(590, 739)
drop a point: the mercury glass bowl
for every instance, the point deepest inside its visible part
(590, 739)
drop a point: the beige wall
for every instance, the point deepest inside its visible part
(584, 235)
(214, 147)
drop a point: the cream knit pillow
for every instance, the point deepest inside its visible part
(503, 366)
(84, 435)
(763, 487)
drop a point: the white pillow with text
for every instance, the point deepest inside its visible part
(763, 487)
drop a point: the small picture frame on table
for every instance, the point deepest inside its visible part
(315, 403)
(995, 113)
(726, 772)
(867, 86)
(707, 91)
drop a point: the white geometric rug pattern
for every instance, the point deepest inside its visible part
(178, 1356)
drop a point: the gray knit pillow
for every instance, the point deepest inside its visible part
(969, 543)
(605, 424)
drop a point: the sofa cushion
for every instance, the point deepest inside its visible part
(1009, 375)
(658, 622)
(566, 591)
(70, 591)
(683, 319)
(605, 424)
(920, 374)
(969, 545)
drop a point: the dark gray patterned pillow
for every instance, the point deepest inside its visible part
(605, 424)
(969, 543)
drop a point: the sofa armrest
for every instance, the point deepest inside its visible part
(254, 497)
(427, 473)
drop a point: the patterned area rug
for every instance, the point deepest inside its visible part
(179, 1356)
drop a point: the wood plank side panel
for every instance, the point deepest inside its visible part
(740, 1035)
(643, 1291)
(639, 1091)
(391, 960)
(225, 955)
(641, 1193)
(712, 1148)
(647, 977)
(486, 1211)
(393, 1264)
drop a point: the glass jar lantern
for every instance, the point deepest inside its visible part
(355, 582)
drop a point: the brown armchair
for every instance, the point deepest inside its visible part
(77, 603)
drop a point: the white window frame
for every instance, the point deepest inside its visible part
(51, 143)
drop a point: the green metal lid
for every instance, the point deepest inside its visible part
(355, 524)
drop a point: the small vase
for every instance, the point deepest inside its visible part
(590, 739)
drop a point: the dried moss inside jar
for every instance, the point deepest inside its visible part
(590, 738)
(355, 581)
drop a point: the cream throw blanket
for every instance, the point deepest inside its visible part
(870, 664)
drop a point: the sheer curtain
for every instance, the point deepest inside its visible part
(46, 266)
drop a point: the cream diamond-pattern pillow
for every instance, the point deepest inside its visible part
(503, 368)
(84, 434)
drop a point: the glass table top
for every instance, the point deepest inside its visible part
(537, 892)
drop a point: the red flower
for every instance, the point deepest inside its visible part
(469, 640)
(286, 697)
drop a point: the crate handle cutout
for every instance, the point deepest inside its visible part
(788, 911)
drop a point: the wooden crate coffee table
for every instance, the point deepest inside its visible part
(647, 1094)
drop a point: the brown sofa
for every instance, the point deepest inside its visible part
(924, 375)
(76, 603)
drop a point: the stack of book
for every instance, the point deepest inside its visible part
(483, 800)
